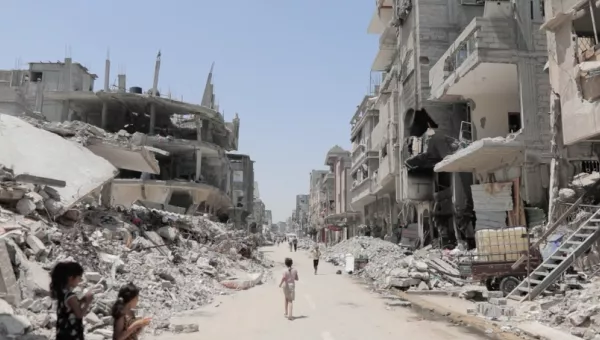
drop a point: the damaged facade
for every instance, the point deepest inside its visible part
(171, 155)
(341, 221)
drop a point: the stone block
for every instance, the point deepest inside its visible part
(491, 294)
(8, 281)
(25, 206)
(15, 324)
(36, 245)
(498, 302)
(93, 277)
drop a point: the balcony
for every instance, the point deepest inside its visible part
(361, 193)
(480, 61)
(361, 119)
(377, 136)
(362, 153)
(381, 17)
(387, 50)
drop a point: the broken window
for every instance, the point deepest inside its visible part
(514, 122)
(586, 34)
(36, 76)
(384, 152)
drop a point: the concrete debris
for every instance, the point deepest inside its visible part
(179, 262)
(573, 310)
(389, 266)
(77, 167)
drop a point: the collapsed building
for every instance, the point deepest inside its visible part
(171, 155)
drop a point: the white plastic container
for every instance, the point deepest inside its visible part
(349, 263)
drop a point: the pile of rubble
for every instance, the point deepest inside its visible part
(575, 308)
(179, 262)
(390, 266)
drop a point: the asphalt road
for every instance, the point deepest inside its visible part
(327, 307)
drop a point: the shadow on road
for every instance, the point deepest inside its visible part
(299, 317)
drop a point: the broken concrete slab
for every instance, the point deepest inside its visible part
(14, 324)
(44, 154)
(8, 281)
(37, 279)
(133, 158)
(27, 178)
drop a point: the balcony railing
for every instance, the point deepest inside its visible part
(495, 37)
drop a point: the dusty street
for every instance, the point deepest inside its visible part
(328, 307)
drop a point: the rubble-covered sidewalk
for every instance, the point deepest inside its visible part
(389, 266)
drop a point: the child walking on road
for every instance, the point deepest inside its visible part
(126, 326)
(70, 310)
(288, 281)
(316, 254)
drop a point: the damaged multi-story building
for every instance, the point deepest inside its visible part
(242, 177)
(175, 155)
(301, 213)
(320, 197)
(572, 29)
(464, 100)
(341, 221)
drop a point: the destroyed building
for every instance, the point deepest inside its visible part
(243, 186)
(171, 154)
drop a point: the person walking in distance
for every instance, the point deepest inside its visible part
(290, 243)
(316, 254)
(288, 281)
(295, 241)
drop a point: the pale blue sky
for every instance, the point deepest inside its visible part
(293, 70)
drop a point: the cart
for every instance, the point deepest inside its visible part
(498, 275)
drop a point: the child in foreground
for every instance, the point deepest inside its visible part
(125, 326)
(288, 281)
(64, 278)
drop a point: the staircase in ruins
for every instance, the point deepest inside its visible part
(556, 264)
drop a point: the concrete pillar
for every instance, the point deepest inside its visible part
(154, 90)
(198, 164)
(104, 122)
(152, 119)
(39, 96)
(104, 115)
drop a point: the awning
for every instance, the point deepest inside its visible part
(340, 216)
(486, 154)
(334, 227)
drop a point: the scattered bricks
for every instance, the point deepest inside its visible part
(93, 277)
(36, 245)
(498, 302)
(495, 312)
(26, 303)
(92, 319)
(25, 206)
(10, 194)
(491, 294)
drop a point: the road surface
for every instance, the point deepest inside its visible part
(327, 307)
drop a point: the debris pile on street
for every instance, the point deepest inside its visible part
(574, 308)
(389, 266)
(179, 263)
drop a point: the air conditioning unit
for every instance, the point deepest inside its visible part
(472, 2)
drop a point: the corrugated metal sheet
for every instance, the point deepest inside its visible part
(490, 220)
(492, 197)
